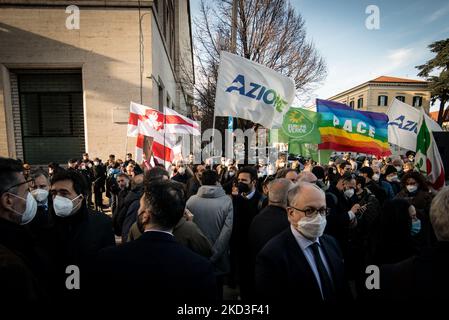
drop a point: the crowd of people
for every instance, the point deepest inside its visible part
(206, 232)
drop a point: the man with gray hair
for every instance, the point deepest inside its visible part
(302, 264)
(424, 277)
(39, 188)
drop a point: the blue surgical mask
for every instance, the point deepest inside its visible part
(416, 227)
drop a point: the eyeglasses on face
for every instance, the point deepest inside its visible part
(19, 184)
(310, 212)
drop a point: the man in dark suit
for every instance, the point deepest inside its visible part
(247, 204)
(424, 277)
(77, 233)
(40, 189)
(155, 267)
(301, 263)
(22, 269)
(272, 220)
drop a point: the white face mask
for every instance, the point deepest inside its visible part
(376, 177)
(96, 163)
(30, 210)
(312, 227)
(412, 188)
(64, 206)
(398, 168)
(349, 193)
(181, 170)
(231, 173)
(40, 195)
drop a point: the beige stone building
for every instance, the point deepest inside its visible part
(66, 83)
(377, 94)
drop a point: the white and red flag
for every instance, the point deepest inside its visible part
(140, 114)
(147, 124)
(156, 135)
(177, 123)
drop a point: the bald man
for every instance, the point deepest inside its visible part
(301, 264)
(272, 220)
(307, 176)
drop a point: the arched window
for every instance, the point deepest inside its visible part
(351, 104)
(359, 103)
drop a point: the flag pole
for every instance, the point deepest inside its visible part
(213, 141)
(126, 145)
(165, 165)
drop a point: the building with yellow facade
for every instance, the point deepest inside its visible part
(377, 94)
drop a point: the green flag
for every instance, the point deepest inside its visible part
(307, 150)
(300, 126)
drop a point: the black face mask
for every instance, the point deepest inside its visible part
(243, 187)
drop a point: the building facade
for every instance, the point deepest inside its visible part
(377, 94)
(68, 73)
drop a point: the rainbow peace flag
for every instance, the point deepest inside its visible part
(345, 129)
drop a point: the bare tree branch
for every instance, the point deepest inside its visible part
(269, 32)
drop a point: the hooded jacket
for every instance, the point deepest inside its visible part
(213, 213)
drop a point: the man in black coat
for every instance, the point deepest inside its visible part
(155, 268)
(425, 277)
(272, 220)
(40, 189)
(247, 205)
(78, 233)
(23, 270)
(301, 264)
(127, 213)
(193, 184)
(99, 180)
(181, 173)
(86, 169)
(373, 186)
(341, 201)
(124, 186)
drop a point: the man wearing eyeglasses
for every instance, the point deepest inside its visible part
(301, 263)
(19, 263)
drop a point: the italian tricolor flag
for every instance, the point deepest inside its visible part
(428, 160)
